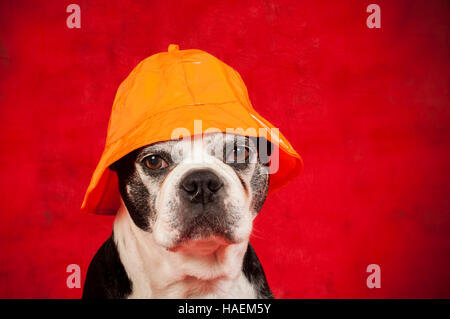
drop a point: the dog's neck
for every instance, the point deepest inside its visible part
(158, 273)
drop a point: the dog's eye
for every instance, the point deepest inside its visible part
(239, 154)
(155, 162)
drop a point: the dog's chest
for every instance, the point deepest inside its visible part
(197, 289)
(156, 273)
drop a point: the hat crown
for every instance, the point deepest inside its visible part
(173, 79)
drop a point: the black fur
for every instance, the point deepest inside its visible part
(106, 277)
(254, 273)
(136, 203)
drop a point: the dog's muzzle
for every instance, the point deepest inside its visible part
(204, 213)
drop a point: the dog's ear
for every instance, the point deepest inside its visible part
(115, 166)
(118, 165)
(124, 163)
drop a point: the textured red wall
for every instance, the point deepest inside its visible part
(368, 109)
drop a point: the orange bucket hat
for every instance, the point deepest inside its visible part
(176, 89)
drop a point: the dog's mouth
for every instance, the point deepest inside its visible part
(201, 246)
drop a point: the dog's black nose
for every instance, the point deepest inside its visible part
(201, 186)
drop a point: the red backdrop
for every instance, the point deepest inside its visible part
(368, 109)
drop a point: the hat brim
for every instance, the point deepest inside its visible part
(102, 195)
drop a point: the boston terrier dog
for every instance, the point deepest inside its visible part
(183, 227)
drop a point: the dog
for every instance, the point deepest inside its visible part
(183, 228)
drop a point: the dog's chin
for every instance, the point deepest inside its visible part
(201, 246)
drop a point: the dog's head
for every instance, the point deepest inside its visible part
(198, 192)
